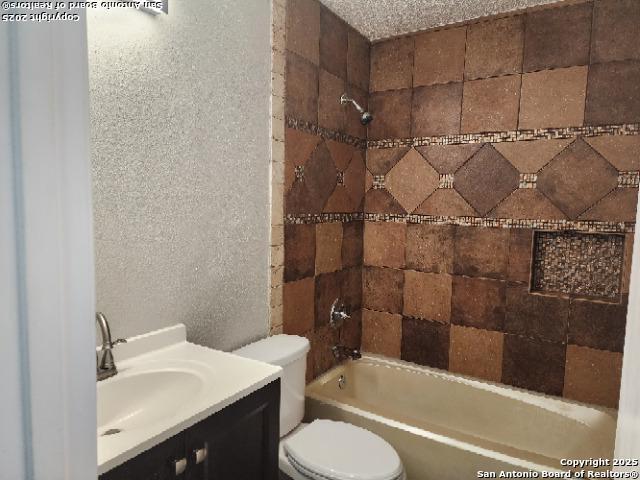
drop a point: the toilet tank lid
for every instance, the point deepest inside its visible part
(278, 350)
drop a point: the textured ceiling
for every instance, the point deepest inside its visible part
(378, 19)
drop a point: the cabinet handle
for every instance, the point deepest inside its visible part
(200, 455)
(180, 466)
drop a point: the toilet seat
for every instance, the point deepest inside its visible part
(328, 450)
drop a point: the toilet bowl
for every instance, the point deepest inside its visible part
(322, 449)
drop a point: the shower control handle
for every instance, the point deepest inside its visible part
(338, 314)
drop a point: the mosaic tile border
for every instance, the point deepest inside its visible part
(509, 136)
(629, 179)
(325, 133)
(583, 226)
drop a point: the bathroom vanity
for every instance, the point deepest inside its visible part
(178, 410)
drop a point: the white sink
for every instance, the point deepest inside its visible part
(165, 385)
(138, 399)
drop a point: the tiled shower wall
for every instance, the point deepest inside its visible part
(324, 173)
(501, 255)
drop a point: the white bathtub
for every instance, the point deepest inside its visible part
(446, 426)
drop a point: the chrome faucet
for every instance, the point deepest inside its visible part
(338, 314)
(106, 367)
(341, 352)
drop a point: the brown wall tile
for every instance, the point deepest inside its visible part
(352, 244)
(618, 206)
(381, 201)
(381, 333)
(613, 95)
(486, 179)
(427, 295)
(298, 306)
(477, 353)
(577, 178)
(557, 37)
(322, 359)
(328, 247)
(491, 105)
(382, 289)
(527, 203)
(303, 29)
(481, 252)
(478, 302)
(448, 158)
(298, 147)
(533, 364)
(623, 152)
(446, 202)
(553, 98)
(537, 316)
(299, 251)
(593, 376)
(351, 288)
(320, 178)
(425, 343)
(358, 60)
(597, 324)
(351, 331)
(301, 97)
(520, 255)
(495, 48)
(436, 110)
(439, 56)
(333, 43)
(381, 160)
(327, 290)
(411, 180)
(391, 64)
(392, 112)
(616, 35)
(384, 244)
(331, 114)
(430, 248)
(531, 156)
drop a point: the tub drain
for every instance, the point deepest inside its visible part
(342, 382)
(111, 431)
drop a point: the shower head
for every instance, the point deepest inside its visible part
(365, 117)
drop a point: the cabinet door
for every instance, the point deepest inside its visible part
(154, 464)
(241, 441)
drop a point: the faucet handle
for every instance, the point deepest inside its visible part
(118, 342)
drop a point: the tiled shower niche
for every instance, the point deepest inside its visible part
(580, 264)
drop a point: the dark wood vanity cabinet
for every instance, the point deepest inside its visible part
(240, 441)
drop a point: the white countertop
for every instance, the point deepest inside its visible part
(211, 380)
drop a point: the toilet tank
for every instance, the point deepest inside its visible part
(290, 353)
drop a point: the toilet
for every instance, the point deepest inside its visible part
(322, 449)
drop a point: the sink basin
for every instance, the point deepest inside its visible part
(136, 400)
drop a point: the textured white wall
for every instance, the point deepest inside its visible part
(180, 151)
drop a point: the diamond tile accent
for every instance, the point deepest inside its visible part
(412, 180)
(446, 180)
(577, 263)
(528, 180)
(486, 179)
(529, 157)
(320, 177)
(577, 178)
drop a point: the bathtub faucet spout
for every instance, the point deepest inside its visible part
(341, 352)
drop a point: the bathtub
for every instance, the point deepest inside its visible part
(446, 426)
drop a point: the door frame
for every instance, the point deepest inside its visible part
(46, 253)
